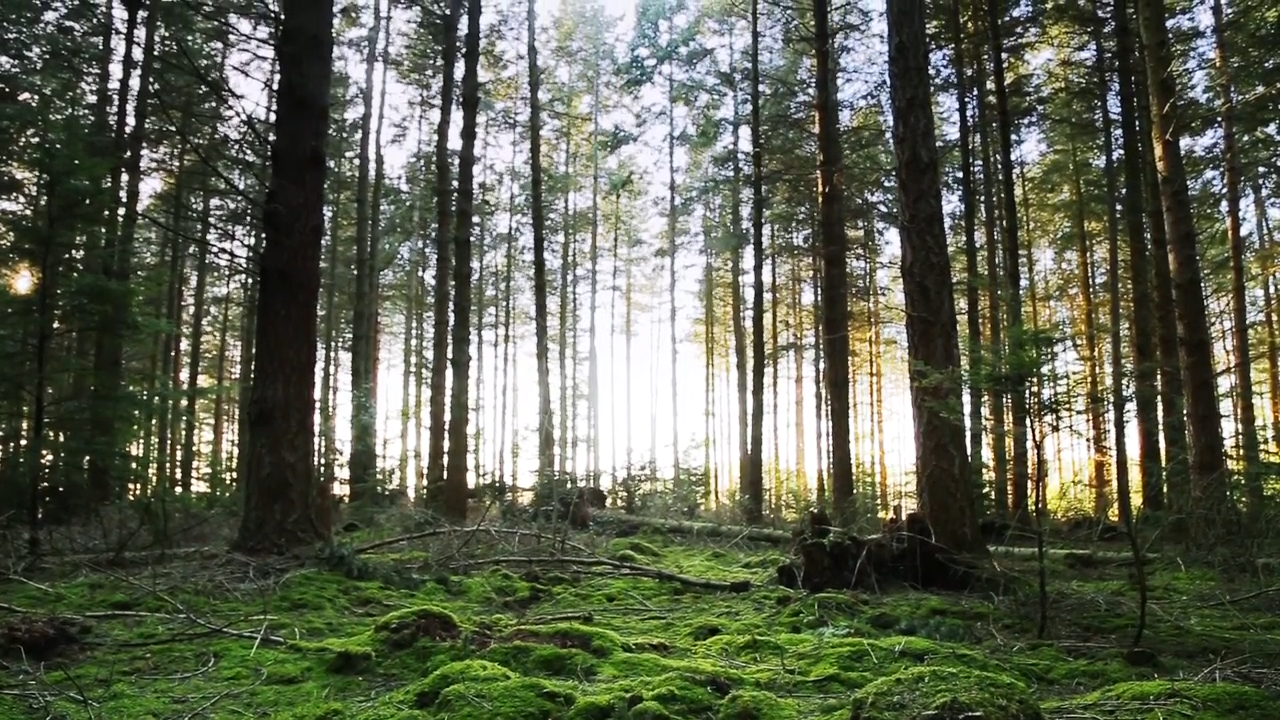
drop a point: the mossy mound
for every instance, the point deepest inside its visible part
(1161, 699)
(944, 693)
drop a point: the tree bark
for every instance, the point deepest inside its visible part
(444, 249)
(1204, 418)
(546, 438)
(284, 506)
(942, 465)
(835, 248)
(1247, 414)
(1142, 329)
(453, 498)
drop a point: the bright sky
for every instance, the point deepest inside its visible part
(651, 362)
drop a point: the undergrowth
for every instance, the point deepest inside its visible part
(504, 625)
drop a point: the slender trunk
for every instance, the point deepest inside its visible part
(1012, 267)
(1265, 248)
(109, 465)
(973, 312)
(835, 247)
(994, 357)
(566, 263)
(1248, 427)
(1204, 418)
(546, 440)
(819, 402)
(363, 466)
(1099, 480)
(219, 398)
(453, 503)
(197, 337)
(671, 281)
(753, 478)
(1173, 424)
(1142, 327)
(444, 249)
(593, 361)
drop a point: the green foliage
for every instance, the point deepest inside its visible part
(497, 645)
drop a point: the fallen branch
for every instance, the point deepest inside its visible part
(734, 586)
(449, 530)
(703, 529)
(1242, 598)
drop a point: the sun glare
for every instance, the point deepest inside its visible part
(22, 280)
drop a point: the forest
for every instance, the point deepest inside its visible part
(732, 359)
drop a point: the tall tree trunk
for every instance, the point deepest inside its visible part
(835, 247)
(453, 503)
(753, 477)
(546, 439)
(1173, 423)
(671, 282)
(363, 466)
(933, 344)
(1012, 265)
(328, 429)
(562, 338)
(1099, 480)
(444, 247)
(973, 311)
(1265, 247)
(218, 449)
(994, 357)
(1204, 418)
(1142, 329)
(284, 506)
(197, 337)
(109, 465)
(1248, 421)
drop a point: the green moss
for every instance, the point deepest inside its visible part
(473, 646)
(1158, 699)
(754, 705)
(601, 643)
(543, 660)
(636, 547)
(944, 692)
(513, 699)
(426, 693)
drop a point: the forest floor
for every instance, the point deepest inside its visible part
(507, 624)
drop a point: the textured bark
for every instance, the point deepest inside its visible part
(942, 465)
(1142, 327)
(1173, 423)
(364, 459)
(835, 248)
(453, 496)
(1204, 419)
(1245, 411)
(546, 438)
(973, 280)
(284, 505)
(444, 251)
(1012, 265)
